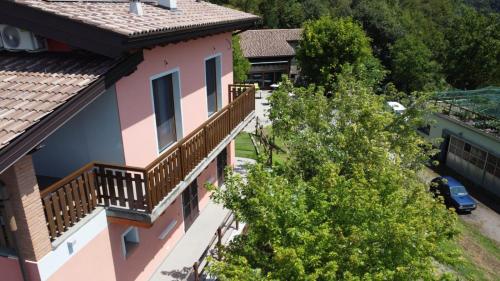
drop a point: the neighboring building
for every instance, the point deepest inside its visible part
(271, 53)
(110, 126)
(469, 124)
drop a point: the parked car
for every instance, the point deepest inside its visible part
(454, 193)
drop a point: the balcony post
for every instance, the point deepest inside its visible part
(26, 209)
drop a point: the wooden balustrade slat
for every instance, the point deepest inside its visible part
(83, 197)
(130, 191)
(104, 185)
(76, 196)
(47, 204)
(92, 190)
(139, 192)
(120, 187)
(64, 207)
(71, 206)
(111, 187)
(163, 181)
(57, 212)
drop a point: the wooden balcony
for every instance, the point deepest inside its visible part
(135, 190)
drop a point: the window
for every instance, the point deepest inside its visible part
(213, 81)
(130, 241)
(164, 94)
(190, 204)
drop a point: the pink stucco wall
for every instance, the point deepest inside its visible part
(209, 175)
(146, 258)
(9, 269)
(93, 262)
(134, 92)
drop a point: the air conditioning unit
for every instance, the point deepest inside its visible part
(16, 39)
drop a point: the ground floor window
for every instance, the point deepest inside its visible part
(190, 204)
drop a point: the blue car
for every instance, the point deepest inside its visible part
(454, 193)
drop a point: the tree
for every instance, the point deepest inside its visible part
(473, 57)
(241, 65)
(347, 205)
(413, 66)
(328, 45)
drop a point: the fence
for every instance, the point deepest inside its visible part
(216, 241)
(141, 189)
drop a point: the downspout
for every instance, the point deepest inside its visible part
(4, 196)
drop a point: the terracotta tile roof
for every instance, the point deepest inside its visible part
(32, 85)
(269, 42)
(115, 16)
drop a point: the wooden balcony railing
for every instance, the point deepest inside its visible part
(141, 189)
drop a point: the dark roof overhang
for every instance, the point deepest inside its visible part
(27, 141)
(102, 41)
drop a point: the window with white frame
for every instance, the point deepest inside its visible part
(166, 100)
(213, 84)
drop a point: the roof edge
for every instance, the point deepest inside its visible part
(23, 144)
(64, 29)
(175, 36)
(102, 41)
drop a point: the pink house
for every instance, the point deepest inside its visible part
(114, 115)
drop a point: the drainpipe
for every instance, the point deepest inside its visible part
(4, 196)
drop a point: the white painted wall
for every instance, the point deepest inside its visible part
(94, 134)
(88, 229)
(480, 139)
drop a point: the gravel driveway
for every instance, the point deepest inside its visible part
(484, 218)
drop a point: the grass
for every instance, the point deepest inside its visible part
(244, 146)
(246, 149)
(480, 256)
(278, 156)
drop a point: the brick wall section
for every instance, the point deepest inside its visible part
(24, 199)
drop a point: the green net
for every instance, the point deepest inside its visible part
(484, 101)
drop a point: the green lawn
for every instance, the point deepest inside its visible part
(244, 146)
(480, 256)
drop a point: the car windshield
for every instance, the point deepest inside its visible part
(458, 190)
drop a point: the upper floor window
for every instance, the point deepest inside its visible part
(213, 82)
(165, 100)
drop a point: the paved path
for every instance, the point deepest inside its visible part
(261, 111)
(178, 264)
(484, 218)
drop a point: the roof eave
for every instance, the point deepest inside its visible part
(63, 29)
(102, 41)
(25, 143)
(175, 36)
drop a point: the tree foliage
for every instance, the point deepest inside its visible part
(328, 45)
(463, 41)
(473, 58)
(241, 65)
(347, 204)
(413, 66)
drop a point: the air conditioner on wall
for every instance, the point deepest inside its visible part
(16, 39)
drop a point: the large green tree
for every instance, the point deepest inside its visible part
(346, 205)
(328, 45)
(241, 65)
(473, 57)
(413, 66)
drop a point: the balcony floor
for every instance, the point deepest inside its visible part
(178, 264)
